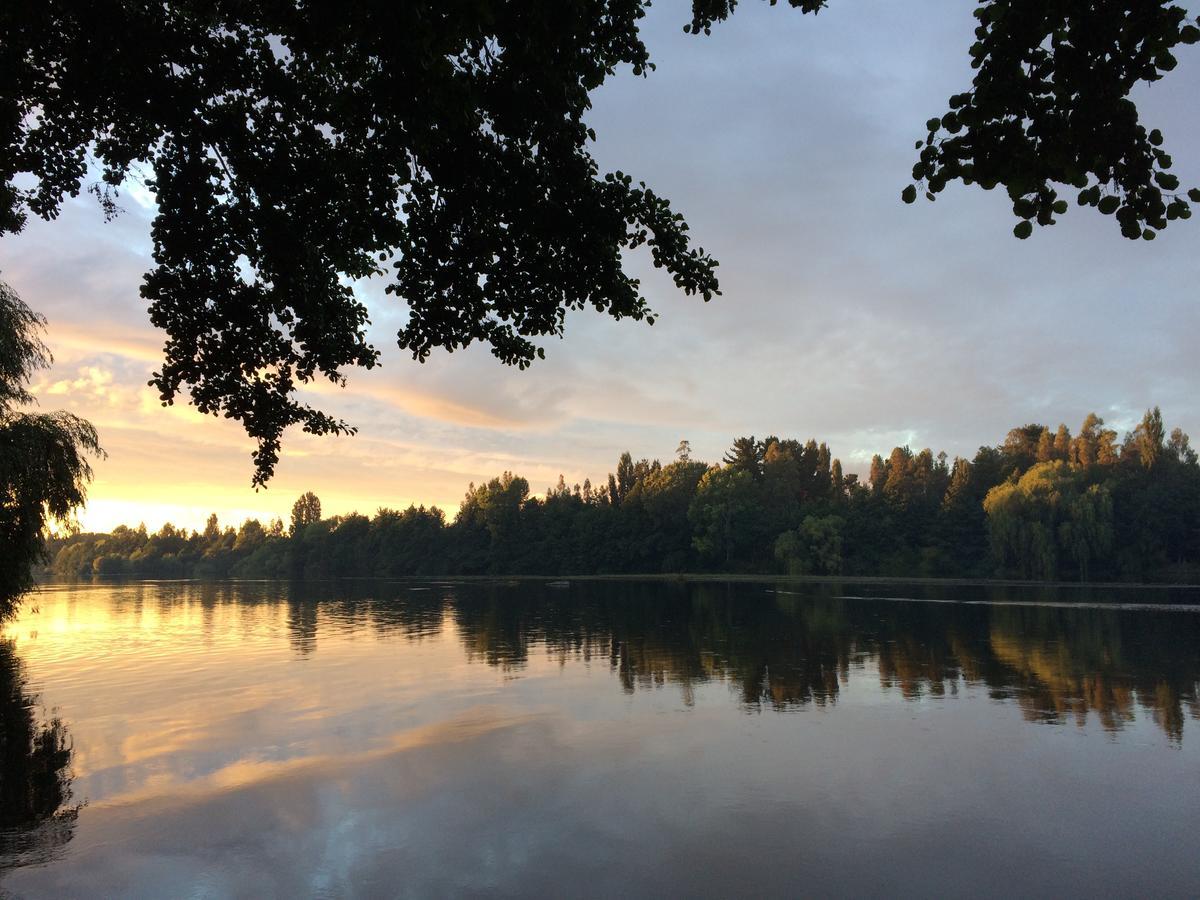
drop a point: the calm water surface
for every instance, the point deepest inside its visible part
(265, 740)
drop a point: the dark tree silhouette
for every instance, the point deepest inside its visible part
(35, 775)
(44, 466)
(305, 511)
(1049, 108)
(294, 146)
(747, 455)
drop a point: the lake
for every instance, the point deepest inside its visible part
(599, 739)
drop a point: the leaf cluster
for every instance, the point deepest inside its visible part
(1049, 107)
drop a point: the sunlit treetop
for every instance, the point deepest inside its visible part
(294, 147)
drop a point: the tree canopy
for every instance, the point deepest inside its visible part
(294, 147)
(305, 511)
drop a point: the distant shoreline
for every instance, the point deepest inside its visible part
(669, 577)
(831, 579)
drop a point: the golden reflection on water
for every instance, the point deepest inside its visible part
(169, 688)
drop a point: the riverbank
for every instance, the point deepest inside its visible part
(669, 577)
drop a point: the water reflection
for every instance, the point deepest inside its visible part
(260, 739)
(36, 818)
(782, 650)
(1059, 655)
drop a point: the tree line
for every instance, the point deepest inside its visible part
(1044, 504)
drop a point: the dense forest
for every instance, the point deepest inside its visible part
(1043, 504)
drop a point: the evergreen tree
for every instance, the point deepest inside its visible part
(1062, 443)
(837, 484)
(746, 455)
(878, 475)
(626, 476)
(1149, 438)
(1045, 447)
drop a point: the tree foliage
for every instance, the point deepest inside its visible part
(815, 548)
(1049, 108)
(305, 511)
(723, 513)
(294, 147)
(1047, 517)
(44, 467)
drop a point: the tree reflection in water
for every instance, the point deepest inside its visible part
(36, 818)
(782, 650)
(1059, 654)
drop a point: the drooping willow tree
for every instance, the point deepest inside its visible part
(44, 457)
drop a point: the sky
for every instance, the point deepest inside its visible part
(847, 316)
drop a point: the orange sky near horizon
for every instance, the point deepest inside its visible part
(172, 464)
